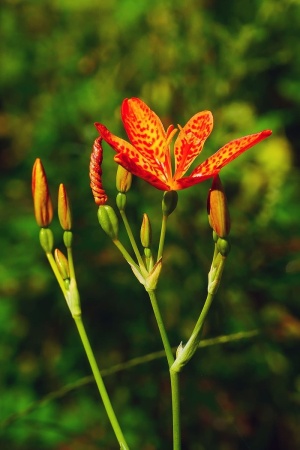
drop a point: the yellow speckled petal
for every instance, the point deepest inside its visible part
(228, 153)
(133, 161)
(191, 140)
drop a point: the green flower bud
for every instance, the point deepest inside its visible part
(223, 246)
(68, 238)
(217, 209)
(64, 211)
(121, 201)
(146, 232)
(62, 264)
(123, 179)
(108, 221)
(169, 202)
(46, 239)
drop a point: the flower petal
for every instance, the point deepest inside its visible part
(190, 141)
(146, 132)
(228, 153)
(141, 167)
(118, 144)
(127, 156)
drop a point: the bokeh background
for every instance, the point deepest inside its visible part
(66, 64)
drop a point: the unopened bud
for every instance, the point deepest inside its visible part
(146, 232)
(121, 201)
(123, 179)
(223, 246)
(68, 239)
(62, 264)
(169, 202)
(64, 211)
(217, 209)
(46, 239)
(108, 221)
(43, 209)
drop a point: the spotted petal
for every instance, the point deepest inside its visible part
(229, 152)
(146, 132)
(141, 167)
(190, 141)
(221, 158)
(127, 156)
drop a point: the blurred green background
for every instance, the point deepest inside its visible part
(66, 64)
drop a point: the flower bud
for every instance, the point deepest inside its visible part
(121, 201)
(43, 209)
(62, 264)
(123, 179)
(146, 232)
(108, 221)
(68, 239)
(169, 202)
(223, 246)
(217, 209)
(46, 239)
(64, 211)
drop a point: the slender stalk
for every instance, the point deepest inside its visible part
(56, 272)
(131, 238)
(174, 377)
(125, 253)
(162, 236)
(161, 327)
(100, 384)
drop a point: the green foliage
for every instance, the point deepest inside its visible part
(67, 64)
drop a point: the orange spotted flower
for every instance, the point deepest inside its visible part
(148, 154)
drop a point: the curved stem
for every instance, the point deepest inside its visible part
(101, 387)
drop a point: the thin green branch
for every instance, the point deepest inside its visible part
(131, 238)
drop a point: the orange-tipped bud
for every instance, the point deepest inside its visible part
(146, 232)
(43, 209)
(62, 264)
(123, 180)
(217, 209)
(96, 173)
(64, 211)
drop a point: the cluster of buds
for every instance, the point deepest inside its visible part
(61, 265)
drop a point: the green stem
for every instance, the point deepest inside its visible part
(161, 327)
(56, 273)
(125, 253)
(101, 387)
(131, 238)
(162, 236)
(193, 343)
(71, 262)
(174, 377)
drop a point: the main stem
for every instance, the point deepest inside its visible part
(174, 377)
(99, 381)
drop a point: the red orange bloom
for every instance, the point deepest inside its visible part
(148, 154)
